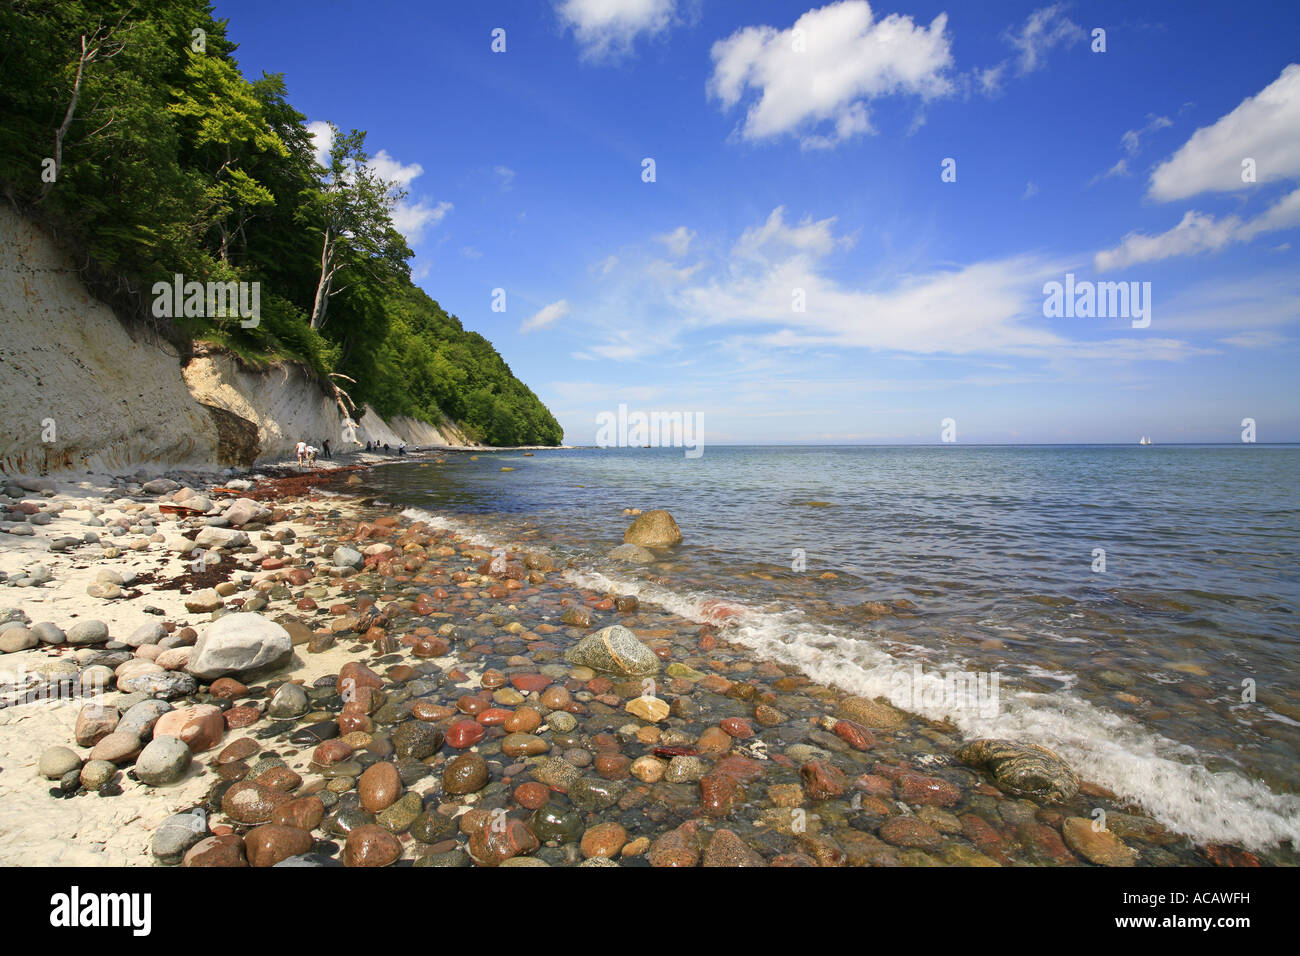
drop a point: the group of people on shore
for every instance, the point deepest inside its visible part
(307, 453)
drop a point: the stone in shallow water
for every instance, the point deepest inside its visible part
(371, 845)
(614, 649)
(871, 713)
(468, 773)
(595, 793)
(269, 844)
(650, 709)
(1024, 770)
(401, 814)
(654, 529)
(556, 773)
(251, 803)
(1101, 847)
(379, 787)
(415, 740)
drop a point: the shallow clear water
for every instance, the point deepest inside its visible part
(1140, 674)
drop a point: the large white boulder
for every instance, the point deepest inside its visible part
(238, 644)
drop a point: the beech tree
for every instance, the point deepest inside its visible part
(352, 210)
(226, 116)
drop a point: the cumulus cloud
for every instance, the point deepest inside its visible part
(545, 316)
(678, 241)
(322, 138)
(410, 217)
(608, 28)
(1199, 232)
(816, 78)
(389, 169)
(1264, 127)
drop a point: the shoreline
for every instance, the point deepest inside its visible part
(732, 761)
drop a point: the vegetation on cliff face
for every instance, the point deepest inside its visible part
(130, 129)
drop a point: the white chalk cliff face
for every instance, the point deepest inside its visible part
(79, 391)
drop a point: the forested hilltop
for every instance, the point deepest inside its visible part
(130, 130)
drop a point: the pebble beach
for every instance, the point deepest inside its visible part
(271, 668)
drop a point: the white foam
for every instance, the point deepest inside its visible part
(1160, 775)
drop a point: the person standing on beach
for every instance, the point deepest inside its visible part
(325, 447)
(311, 456)
(302, 451)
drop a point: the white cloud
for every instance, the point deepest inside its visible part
(1132, 139)
(1045, 28)
(664, 271)
(817, 237)
(1264, 127)
(390, 170)
(471, 252)
(816, 77)
(1199, 232)
(678, 241)
(1031, 190)
(605, 266)
(322, 138)
(608, 28)
(507, 176)
(545, 316)
(412, 218)
(1256, 340)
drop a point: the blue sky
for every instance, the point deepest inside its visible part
(798, 150)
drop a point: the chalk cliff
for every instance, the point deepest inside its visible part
(80, 390)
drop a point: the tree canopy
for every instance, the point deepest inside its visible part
(131, 130)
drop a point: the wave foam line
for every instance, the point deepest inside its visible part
(1156, 773)
(1108, 748)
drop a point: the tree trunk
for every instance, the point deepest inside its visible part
(86, 56)
(323, 286)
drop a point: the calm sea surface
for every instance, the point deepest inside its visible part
(1172, 676)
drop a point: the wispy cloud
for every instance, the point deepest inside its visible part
(547, 315)
(1043, 30)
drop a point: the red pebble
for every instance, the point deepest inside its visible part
(530, 682)
(738, 727)
(465, 733)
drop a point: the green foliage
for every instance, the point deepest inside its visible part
(171, 161)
